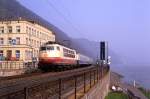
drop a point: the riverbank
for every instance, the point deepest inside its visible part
(130, 90)
(145, 92)
(131, 73)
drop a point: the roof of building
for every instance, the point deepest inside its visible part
(12, 10)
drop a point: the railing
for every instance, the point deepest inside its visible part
(11, 65)
(64, 85)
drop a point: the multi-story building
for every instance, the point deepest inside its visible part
(20, 40)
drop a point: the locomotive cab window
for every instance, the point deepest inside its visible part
(50, 48)
(58, 48)
(43, 48)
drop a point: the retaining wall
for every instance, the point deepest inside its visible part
(100, 90)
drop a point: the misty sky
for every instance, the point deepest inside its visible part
(125, 24)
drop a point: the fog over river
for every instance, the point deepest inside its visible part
(138, 73)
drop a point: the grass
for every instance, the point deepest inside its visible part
(116, 95)
(146, 93)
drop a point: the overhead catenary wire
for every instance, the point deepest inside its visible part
(66, 9)
(65, 19)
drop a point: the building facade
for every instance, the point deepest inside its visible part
(20, 40)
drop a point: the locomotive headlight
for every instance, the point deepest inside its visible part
(45, 55)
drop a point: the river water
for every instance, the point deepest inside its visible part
(141, 74)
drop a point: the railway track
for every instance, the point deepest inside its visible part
(36, 73)
(54, 84)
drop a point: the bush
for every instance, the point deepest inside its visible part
(116, 95)
(145, 92)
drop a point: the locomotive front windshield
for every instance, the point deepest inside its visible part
(50, 47)
(47, 48)
(42, 48)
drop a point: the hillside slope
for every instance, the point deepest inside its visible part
(12, 10)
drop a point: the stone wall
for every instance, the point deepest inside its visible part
(100, 90)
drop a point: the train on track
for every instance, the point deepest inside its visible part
(54, 55)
